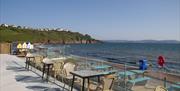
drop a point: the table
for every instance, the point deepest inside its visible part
(86, 74)
(60, 58)
(125, 76)
(47, 63)
(138, 71)
(127, 73)
(28, 59)
(101, 67)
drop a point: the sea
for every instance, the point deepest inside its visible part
(126, 53)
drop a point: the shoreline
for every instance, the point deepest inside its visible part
(159, 75)
(170, 77)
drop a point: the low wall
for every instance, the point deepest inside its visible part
(5, 48)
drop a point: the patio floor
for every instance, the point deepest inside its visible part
(14, 77)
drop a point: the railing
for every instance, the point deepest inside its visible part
(130, 79)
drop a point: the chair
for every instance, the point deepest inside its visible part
(160, 88)
(57, 68)
(138, 81)
(38, 62)
(66, 76)
(174, 87)
(68, 67)
(105, 84)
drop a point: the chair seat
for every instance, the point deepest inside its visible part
(160, 88)
(94, 86)
(69, 77)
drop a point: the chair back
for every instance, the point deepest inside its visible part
(69, 67)
(58, 67)
(160, 88)
(108, 82)
(38, 59)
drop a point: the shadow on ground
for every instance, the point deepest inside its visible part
(32, 81)
(43, 88)
(28, 79)
(16, 69)
(37, 84)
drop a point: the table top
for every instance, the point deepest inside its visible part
(101, 67)
(32, 55)
(29, 55)
(47, 61)
(88, 73)
(138, 71)
(60, 58)
(127, 73)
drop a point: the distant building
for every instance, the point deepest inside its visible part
(4, 25)
(39, 29)
(59, 29)
(13, 26)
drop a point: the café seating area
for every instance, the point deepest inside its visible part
(91, 74)
(85, 76)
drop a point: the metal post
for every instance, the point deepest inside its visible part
(125, 76)
(165, 82)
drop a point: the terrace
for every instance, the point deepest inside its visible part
(39, 71)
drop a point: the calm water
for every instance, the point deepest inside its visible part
(130, 53)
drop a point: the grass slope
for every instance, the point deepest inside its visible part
(10, 34)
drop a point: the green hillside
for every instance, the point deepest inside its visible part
(10, 34)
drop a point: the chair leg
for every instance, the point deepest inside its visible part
(43, 71)
(133, 86)
(63, 82)
(35, 68)
(69, 85)
(54, 79)
(64, 86)
(31, 67)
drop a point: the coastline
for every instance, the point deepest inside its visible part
(69, 42)
(159, 75)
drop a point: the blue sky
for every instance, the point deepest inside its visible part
(102, 19)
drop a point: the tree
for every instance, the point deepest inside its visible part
(19, 27)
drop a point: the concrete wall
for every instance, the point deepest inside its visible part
(5, 48)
